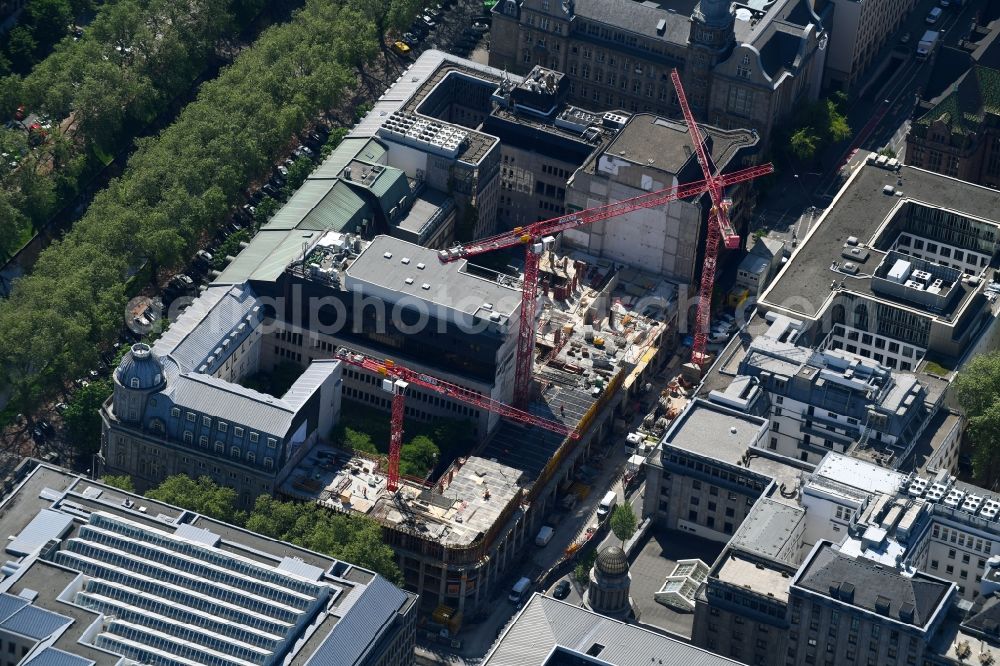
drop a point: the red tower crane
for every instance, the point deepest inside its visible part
(396, 380)
(719, 228)
(533, 237)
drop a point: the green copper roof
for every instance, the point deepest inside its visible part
(974, 96)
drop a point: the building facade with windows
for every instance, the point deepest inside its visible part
(651, 153)
(896, 269)
(958, 133)
(860, 29)
(177, 407)
(744, 69)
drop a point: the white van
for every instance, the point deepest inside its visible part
(934, 15)
(607, 504)
(544, 536)
(518, 591)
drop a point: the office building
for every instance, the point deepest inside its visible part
(846, 609)
(651, 153)
(748, 68)
(896, 269)
(858, 32)
(177, 407)
(100, 577)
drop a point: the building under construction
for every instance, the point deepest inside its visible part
(457, 535)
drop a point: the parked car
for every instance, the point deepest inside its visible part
(271, 190)
(46, 427)
(283, 170)
(256, 197)
(62, 407)
(561, 590)
(401, 47)
(202, 257)
(480, 27)
(428, 21)
(37, 434)
(181, 281)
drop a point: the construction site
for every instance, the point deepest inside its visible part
(458, 534)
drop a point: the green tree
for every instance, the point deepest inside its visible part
(623, 522)
(121, 482)
(803, 143)
(583, 566)
(83, 418)
(357, 440)
(977, 389)
(202, 495)
(350, 537)
(418, 457)
(21, 47)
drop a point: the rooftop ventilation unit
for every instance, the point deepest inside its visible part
(990, 509)
(852, 240)
(954, 498)
(972, 503)
(849, 267)
(917, 487)
(387, 255)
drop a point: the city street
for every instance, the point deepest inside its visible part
(880, 117)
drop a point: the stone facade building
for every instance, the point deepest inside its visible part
(744, 69)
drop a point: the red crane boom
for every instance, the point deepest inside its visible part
(400, 377)
(531, 237)
(719, 227)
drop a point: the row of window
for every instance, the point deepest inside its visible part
(221, 426)
(962, 540)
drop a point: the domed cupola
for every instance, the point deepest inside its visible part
(140, 374)
(612, 561)
(140, 369)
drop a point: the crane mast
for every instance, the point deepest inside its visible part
(719, 228)
(533, 237)
(397, 379)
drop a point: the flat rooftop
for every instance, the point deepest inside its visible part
(714, 431)
(757, 575)
(653, 142)
(859, 210)
(859, 474)
(767, 528)
(407, 270)
(939, 430)
(425, 208)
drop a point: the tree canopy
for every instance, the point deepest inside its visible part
(977, 388)
(350, 537)
(814, 127)
(82, 417)
(202, 495)
(623, 522)
(178, 185)
(121, 482)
